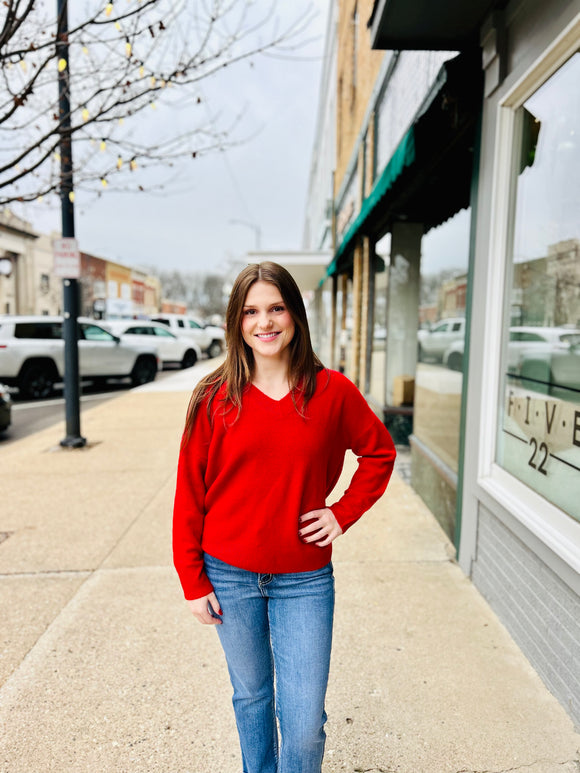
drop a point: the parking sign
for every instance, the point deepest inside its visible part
(67, 259)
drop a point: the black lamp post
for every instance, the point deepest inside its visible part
(73, 437)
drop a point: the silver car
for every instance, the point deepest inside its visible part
(436, 341)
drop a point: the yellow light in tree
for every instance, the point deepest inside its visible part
(153, 106)
(133, 165)
(109, 9)
(40, 199)
(128, 48)
(104, 183)
(85, 50)
(163, 84)
(71, 196)
(121, 121)
(62, 65)
(141, 71)
(153, 81)
(57, 157)
(119, 162)
(118, 26)
(23, 64)
(103, 145)
(85, 114)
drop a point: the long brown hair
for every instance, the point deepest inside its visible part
(237, 370)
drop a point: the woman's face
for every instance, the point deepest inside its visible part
(267, 326)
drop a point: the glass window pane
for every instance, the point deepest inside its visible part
(439, 373)
(95, 333)
(378, 363)
(44, 330)
(539, 416)
(441, 337)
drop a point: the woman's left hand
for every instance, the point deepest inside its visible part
(322, 529)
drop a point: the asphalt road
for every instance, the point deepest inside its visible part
(29, 416)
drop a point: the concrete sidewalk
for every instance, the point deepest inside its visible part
(104, 670)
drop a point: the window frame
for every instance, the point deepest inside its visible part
(552, 527)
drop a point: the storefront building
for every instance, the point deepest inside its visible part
(27, 283)
(455, 290)
(405, 152)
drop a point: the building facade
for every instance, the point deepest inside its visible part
(28, 284)
(455, 286)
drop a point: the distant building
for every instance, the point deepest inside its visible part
(27, 284)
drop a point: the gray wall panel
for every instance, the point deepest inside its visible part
(539, 610)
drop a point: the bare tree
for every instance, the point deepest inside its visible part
(200, 291)
(126, 58)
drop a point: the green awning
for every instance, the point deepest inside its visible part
(403, 157)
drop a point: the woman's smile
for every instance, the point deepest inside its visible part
(268, 336)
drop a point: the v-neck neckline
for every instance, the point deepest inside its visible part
(272, 399)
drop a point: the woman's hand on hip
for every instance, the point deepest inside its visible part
(201, 609)
(322, 527)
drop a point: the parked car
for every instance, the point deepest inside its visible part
(434, 342)
(173, 349)
(453, 357)
(32, 354)
(5, 408)
(551, 366)
(524, 340)
(210, 338)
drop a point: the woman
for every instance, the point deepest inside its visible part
(264, 444)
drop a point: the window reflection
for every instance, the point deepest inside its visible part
(439, 375)
(539, 437)
(378, 364)
(441, 338)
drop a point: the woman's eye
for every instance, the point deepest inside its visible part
(247, 312)
(279, 308)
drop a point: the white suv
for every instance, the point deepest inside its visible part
(211, 339)
(32, 354)
(437, 340)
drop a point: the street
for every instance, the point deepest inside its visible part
(30, 416)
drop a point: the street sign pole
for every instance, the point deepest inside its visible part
(73, 437)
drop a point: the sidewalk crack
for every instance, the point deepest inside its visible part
(528, 766)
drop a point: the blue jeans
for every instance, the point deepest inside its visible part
(277, 635)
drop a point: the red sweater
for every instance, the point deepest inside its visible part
(242, 485)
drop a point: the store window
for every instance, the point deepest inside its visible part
(336, 354)
(440, 364)
(345, 335)
(441, 338)
(377, 385)
(539, 411)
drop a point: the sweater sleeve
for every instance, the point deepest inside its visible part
(366, 435)
(189, 508)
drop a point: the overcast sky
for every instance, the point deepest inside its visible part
(262, 181)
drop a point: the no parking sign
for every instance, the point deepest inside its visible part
(67, 259)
